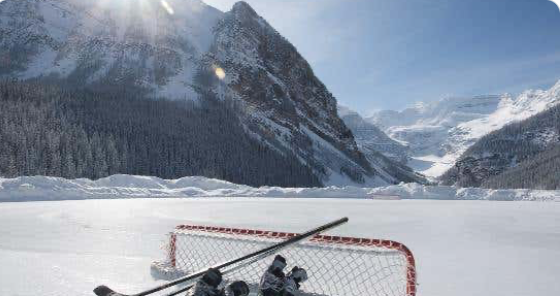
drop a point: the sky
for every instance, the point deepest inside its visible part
(389, 54)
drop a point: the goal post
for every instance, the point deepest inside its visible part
(336, 265)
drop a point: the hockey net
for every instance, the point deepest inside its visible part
(337, 266)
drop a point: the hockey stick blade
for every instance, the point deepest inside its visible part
(106, 291)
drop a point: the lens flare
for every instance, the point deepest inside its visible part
(167, 7)
(220, 73)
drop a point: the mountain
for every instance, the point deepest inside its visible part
(524, 154)
(185, 50)
(383, 153)
(369, 135)
(73, 133)
(439, 133)
(538, 172)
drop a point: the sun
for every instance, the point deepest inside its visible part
(147, 7)
(220, 73)
(167, 7)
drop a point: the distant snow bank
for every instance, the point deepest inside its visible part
(39, 188)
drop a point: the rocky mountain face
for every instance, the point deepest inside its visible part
(439, 133)
(524, 154)
(383, 153)
(286, 105)
(367, 134)
(187, 50)
(538, 172)
(116, 44)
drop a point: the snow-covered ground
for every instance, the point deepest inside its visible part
(41, 188)
(462, 247)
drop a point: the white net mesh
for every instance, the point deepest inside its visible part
(336, 266)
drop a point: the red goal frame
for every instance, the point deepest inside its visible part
(323, 239)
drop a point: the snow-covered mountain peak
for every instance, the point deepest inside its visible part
(439, 132)
(528, 103)
(556, 87)
(386, 155)
(448, 111)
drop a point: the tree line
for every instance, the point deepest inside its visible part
(523, 154)
(75, 133)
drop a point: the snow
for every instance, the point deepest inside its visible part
(509, 110)
(439, 132)
(179, 86)
(40, 188)
(132, 40)
(462, 248)
(125, 186)
(40, 62)
(198, 21)
(333, 155)
(433, 165)
(67, 28)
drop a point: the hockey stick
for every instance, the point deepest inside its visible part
(253, 260)
(106, 291)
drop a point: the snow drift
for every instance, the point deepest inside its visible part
(41, 188)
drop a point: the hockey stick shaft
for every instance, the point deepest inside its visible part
(106, 291)
(253, 260)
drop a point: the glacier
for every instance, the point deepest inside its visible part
(438, 133)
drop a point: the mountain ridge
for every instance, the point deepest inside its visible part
(439, 132)
(176, 52)
(524, 154)
(380, 150)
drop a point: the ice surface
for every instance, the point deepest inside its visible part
(461, 247)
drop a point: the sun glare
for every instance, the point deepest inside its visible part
(220, 73)
(167, 7)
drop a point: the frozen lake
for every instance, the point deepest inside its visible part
(461, 247)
